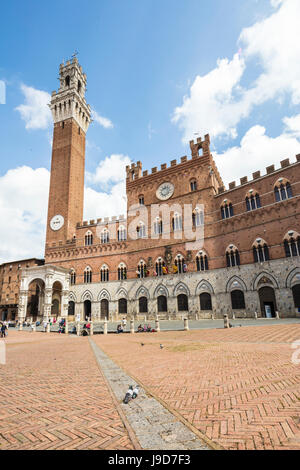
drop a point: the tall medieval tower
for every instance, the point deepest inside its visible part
(71, 116)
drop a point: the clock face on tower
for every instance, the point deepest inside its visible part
(165, 191)
(57, 222)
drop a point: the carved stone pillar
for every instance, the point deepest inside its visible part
(64, 303)
(22, 309)
(47, 304)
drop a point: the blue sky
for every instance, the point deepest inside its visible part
(159, 71)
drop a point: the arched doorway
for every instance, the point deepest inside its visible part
(122, 306)
(238, 300)
(267, 302)
(87, 309)
(55, 308)
(205, 301)
(143, 305)
(71, 309)
(182, 303)
(296, 295)
(56, 299)
(104, 309)
(36, 293)
(162, 304)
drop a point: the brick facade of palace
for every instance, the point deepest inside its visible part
(144, 264)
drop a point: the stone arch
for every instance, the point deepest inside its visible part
(264, 279)
(204, 286)
(181, 288)
(104, 294)
(161, 290)
(236, 283)
(122, 293)
(87, 295)
(72, 297)
(142, 292)
(293, 278)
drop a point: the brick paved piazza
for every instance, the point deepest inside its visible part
(53, 396)
(238, 387)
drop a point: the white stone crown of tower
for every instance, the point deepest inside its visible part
(69, 101)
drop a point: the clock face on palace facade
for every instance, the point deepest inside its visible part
(165, 191)
(57, 222)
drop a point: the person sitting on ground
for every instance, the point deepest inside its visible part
(119, 329)
(140, 329)
(149, 329)
(74, 331)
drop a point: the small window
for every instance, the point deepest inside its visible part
(67, 80)
(193, 185)
(141, 201)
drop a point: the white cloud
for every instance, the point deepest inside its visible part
(35, 111)
(256, 151)
(293, 125)
(23, 211)
(24, 201)
(100, 204)
(217, 102)
(110, 170)
(211, 105)
(103, 121)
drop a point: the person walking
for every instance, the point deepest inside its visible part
(3, 330)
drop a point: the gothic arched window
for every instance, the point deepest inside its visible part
(198, 217)
(227, 210)
(202, 261)
(177, 222)
(160, 266)
(193, 185)
(122, 272)
(104, 274)
(292, 244)
(252, 201)
(158, 226)
(141, 230)
(121, 234)
(180, 264)
(260, 251)
(88, 275)
(142, 269)
(232, 257)
(88, 239)
(105, 236)
(282, 190)
(73, 277)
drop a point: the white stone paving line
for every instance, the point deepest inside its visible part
(154, 426)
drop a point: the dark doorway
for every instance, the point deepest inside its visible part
(122, 306)
(238, 300)
(205, 301)
(143, 305)
(55, 308)
(182, 302)
(71, 309)
(87, 309)
(267, 302)
(104, 309)
(296, 295)
(162, 305)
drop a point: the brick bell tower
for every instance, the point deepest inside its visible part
(71, 116)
